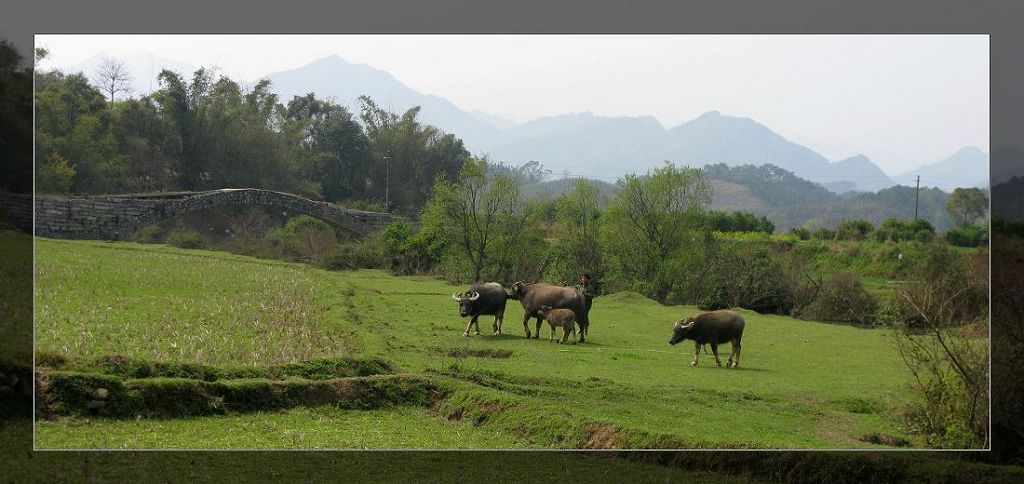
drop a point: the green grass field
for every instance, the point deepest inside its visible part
(801, 385)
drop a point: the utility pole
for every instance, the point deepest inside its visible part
(917, 195)
(387, 181)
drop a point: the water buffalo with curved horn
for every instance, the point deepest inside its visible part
(533, 296)
(712, 328)
(482, 298)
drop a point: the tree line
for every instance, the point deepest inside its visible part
(208, 131)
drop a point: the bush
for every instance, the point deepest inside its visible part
(854, 230)
(149, 234)
(896, 230)
(366, 255)
(303, 237)
(823, 233)
(303, 223)
(406, 253)
(186, 239)
(742, 275)
(843, 299)
(967, 236)
(801, 233)
(738, 222)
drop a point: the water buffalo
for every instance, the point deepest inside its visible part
(482, 298)
(533, 296)
(559, 318)
(712, 328)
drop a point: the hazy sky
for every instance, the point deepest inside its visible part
(902, 100)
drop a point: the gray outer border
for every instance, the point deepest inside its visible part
(1001, 18)
(987, 447)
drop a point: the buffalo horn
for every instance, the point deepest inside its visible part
(474, 297)
(456, 296)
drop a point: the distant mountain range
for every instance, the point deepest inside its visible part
(333, 77)
(968, 167)
(601, 147)
(789, 201)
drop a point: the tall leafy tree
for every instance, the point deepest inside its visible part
(146, 142)
(332, 144)
(481, 216)
(184, 107)
(73, 129)
(967, 205)
(653, 225)
(577, 225)
(407, 155)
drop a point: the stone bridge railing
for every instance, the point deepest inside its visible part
(115, 217)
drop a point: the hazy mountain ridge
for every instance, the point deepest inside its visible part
(968, 167)
(598, 146)
(790, 201)
(585, 144)
(336, 78)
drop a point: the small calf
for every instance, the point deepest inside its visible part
(559, 318)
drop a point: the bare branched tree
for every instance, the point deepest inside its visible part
(112, 78)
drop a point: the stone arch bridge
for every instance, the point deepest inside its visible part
(115, 217)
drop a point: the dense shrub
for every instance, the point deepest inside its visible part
(738, 222)
(894, 229)
(854, 230)
(304, 238)
(743, 276)
(843, 298)
(406, 253)
(186, 239)
(823, 233)
(800, 279)
(366, 255)
(967, 236)
(801, 233)
(951, 288)
(149, 234)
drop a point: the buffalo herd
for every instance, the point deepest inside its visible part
(566, 307)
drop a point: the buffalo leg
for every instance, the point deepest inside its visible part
(497, 325)
(696, 353)
(714, 349)
(736, 347)
(470, 325)
(526, 324)
(539, 323)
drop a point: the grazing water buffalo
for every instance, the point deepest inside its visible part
(482, 298)
(559, 318)
(533, 296)
(712, 328)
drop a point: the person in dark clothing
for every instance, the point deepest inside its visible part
(588, 288)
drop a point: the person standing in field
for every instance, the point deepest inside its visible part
(588, 288)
